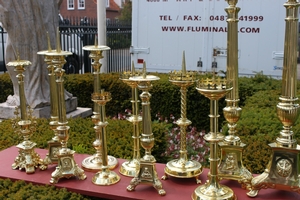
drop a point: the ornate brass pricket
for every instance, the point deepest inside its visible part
(128, 168)
(27, 158)
(231, 165)
(67, 166)
(182, 167)
(54, 144)
(214, 89)
(104, 176)
(282, 172)
(94, 162)
(146, 171)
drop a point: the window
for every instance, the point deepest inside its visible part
(107, 3)
(81, 4)
(70, 4)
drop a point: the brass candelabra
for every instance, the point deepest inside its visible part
(27, 158)
(105, 176)
(282, 172)
(94, 162)
(182, 167)
(129, 167)
(231, 166)
(214, 89)
(146, 171)
(67, 166)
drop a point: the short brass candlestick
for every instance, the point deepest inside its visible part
(104, 176)
(182, 167)
(94, 162)
(128, 168)
(54, 144)
(146, 171)
(27, 158)
(67, 166)
(214, 89)
(282, 172)
(231, 166)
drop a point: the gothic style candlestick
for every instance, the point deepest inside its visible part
(146, 171)
(282, 172)
(214, 89)
(128, 168)
(231, 165)
(54, 144)
(182, 167)
(27, 158)
(67, 166)
(104, 176)
(94, 162)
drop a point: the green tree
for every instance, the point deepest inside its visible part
(126, 11)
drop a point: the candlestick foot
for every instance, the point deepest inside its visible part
(129, 168)
(105, 177)
(213, 192)
(51, 157)
(94, 163)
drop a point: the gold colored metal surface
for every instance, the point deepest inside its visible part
(146, 171)
(104, 176)
(129, 168)
(182, 167)
(214, 89)
(282, 172)
(94, 162)
(231, 166)
(27, 158)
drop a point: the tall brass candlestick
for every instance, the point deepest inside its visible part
(182, 167)
(27, 158)
(282, 171)
(214, 89)
(128, 168)
(146, 171)
(231, 165)
(104, 176)
(67, 166)
(94, 162)
(54, 144)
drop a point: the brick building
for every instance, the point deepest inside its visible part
(88, 8)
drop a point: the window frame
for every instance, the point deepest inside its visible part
(79, 3)
(68, 5)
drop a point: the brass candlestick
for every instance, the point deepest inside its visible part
(94, 162)
(231, 166)
(282, 172)
(67, 166)
(182, 167)
(54, 144)
(128, 168)
(146, 171)
(104, 176)
(27, 158)
(214, 89)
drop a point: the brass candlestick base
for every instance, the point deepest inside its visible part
(214, 89)
(94, 163)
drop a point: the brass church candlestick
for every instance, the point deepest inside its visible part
(182, 167)
(67, 166)
(231, 166)
(104, 176)
(214, 89)
(146, 171)
(94, 162)
(282, 172)
(27, 158)
(128, 168)
(54, 144)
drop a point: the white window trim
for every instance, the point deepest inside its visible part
(68, 6)
(80, 8)
(107, 3)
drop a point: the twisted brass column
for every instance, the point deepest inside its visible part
(94, 162)
(282, 172)
(27, 158)
(182, 167)
(146, 171)
(214, 89)
(231, 166)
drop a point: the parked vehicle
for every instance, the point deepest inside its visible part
(163, 29)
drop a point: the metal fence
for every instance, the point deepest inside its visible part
(79, 32)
